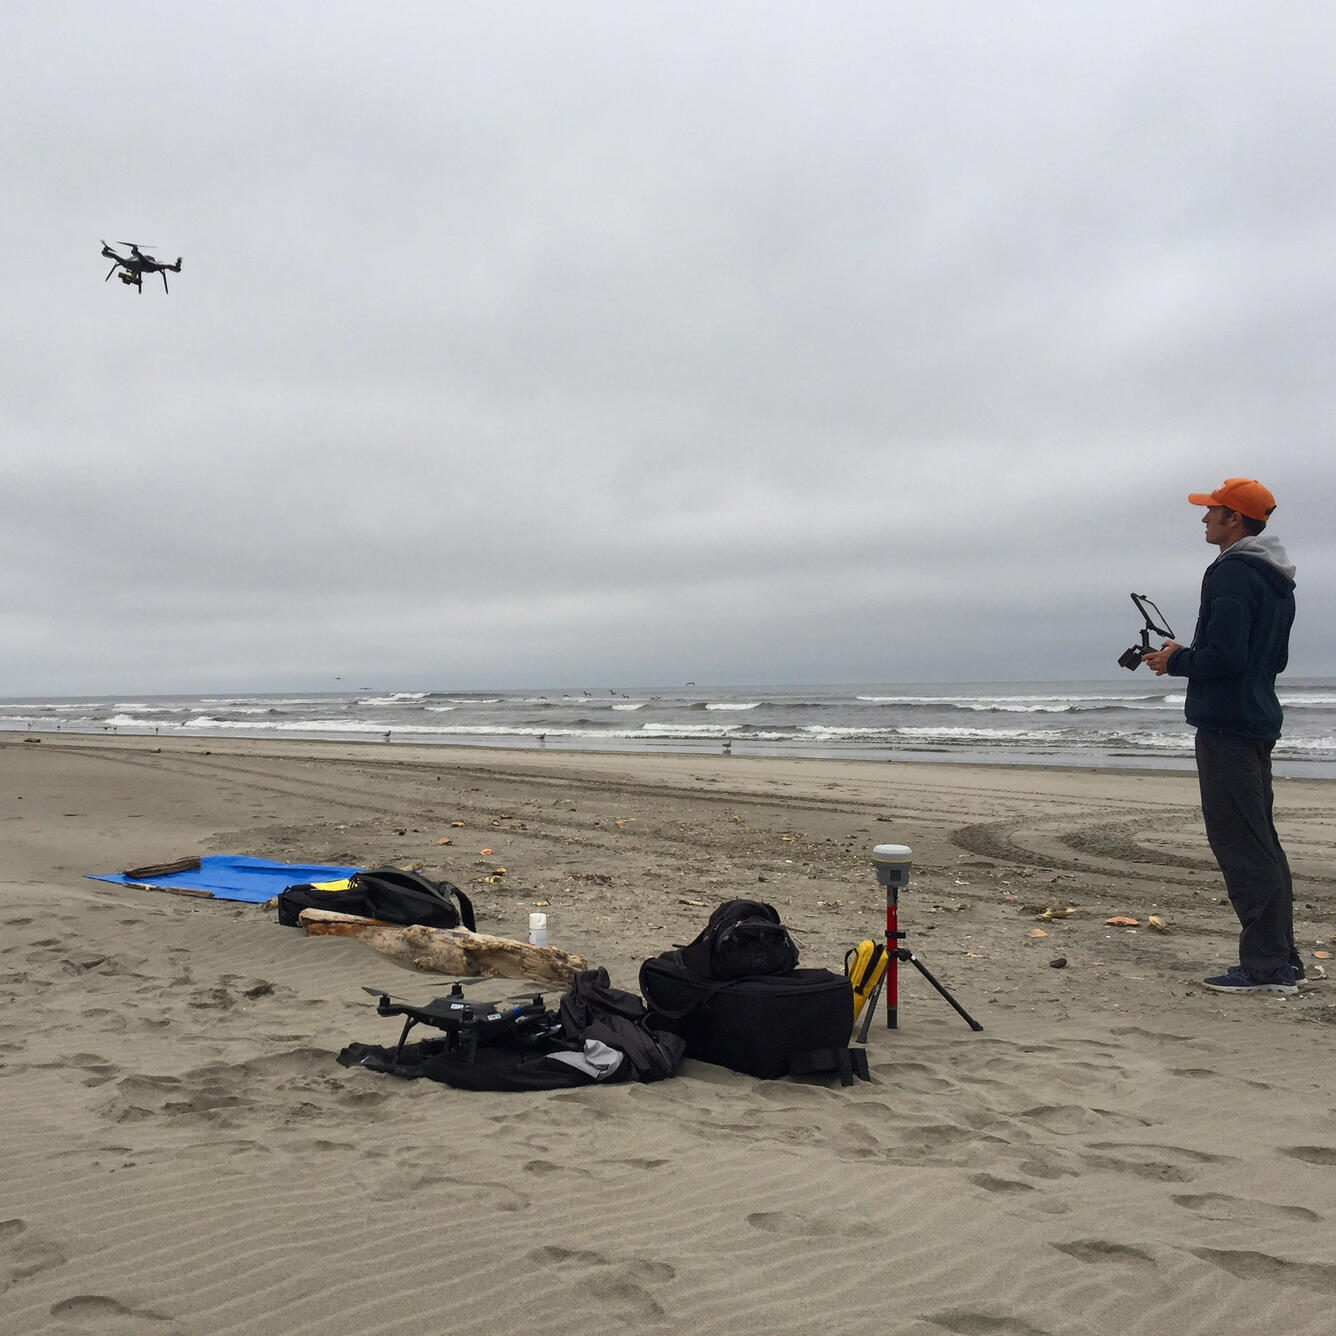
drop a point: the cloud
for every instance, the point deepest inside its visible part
(605, 342)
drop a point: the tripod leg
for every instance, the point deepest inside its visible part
(869, 1007)
(927, 974)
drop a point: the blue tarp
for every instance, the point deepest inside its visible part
(233, 877)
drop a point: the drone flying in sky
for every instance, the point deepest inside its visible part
(134, 266)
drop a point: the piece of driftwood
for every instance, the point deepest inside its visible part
(162, 869)
(449, 950)
(196, 891)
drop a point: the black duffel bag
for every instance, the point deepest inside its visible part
(792, 1024)
(390, 894)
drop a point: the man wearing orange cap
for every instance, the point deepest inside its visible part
(1240, 643)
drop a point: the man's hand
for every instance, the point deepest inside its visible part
(1158, 659)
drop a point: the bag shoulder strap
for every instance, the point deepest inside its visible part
(679, 959)
(438, 890)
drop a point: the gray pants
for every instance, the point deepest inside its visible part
(1236, 804)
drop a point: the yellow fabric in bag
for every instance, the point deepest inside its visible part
(865, 964)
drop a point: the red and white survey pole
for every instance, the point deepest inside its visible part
(892, 862)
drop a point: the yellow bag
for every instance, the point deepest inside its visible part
(865, 964)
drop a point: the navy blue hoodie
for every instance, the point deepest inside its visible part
(1242, 640)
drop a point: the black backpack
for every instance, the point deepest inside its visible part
(390, 894)
(743, 938)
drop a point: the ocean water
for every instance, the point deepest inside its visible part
(1131, 722)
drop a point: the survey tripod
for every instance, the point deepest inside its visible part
(892, 862)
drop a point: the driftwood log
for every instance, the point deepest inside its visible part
(449, 950)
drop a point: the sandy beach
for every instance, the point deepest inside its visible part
(1118, 1151)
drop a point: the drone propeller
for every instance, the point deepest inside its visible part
(527, 996)
(385, 992)
(134, 245)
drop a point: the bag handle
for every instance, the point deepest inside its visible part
(441, 890)
(465, 907)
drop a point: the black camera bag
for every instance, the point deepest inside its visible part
(770, 1025)
(742, 939)
(390, 894)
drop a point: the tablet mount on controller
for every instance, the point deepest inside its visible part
(1155, 621)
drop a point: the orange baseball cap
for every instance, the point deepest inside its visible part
(1246, 495)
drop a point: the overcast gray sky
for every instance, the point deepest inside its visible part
(539, 344)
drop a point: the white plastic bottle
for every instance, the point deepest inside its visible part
(538, 929)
